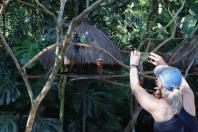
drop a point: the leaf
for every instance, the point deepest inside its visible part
(8, 92)
(26, 50)
(165, 18)
(4, 72)
(111, 2)
(144, 56)
(47, 125)
(188, 24)
(7, 123)
(194, 9)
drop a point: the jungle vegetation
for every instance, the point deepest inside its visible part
(50, 98)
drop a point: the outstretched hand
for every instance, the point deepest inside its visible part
(135, 58)
(156, 59)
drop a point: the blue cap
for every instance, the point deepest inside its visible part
(170, 77)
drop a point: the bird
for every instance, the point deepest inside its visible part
(99, 63)
(76, 40)
(84, 38)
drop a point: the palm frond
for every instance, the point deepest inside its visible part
(8, 92)
(26, 50)
(47, 125)
(7, 123)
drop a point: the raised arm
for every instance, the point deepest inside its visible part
(188, 95)
(158, 60)
(146, 100)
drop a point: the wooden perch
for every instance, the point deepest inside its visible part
(85, 46)
(85, 77)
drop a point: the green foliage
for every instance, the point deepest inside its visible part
(8, 92)
(126, 26)
(27, 49)
(84, 38)
(189, 21)
(46, 125)
(188, 24)
(144, 56)
(7, 123)
(94, 99)
(4, 72)
(107, 107)
(101, 102)
(193, 8)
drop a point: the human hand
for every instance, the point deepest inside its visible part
(156, 59)
(135, 58)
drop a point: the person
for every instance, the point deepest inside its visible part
(175, 111)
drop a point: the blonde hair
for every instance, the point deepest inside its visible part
(174, 99)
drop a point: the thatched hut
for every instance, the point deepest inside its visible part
(84, 59)
(185, 54)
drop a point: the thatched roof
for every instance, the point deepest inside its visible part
(86, 57)
(185, 53)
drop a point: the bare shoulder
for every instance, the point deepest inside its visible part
(145, 99)
(163, 111)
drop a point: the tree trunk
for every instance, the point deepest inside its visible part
(84, 112)
(31, 117)
(63, 83)
(40, 97)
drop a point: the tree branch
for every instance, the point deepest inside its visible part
(184, 55)
(193, 32)
(87, 77)
(3, 2)
(115, 83)
(148, 25)
(188, 68)
(39, 55)
(85, 46)
(75, 21)
(103, 78)
(3, 6)
(25, 3)
(133, 120)
(52, 75)
(167, 40)
(79, 45)
(45, 9)
(56, 67)
(106, 52)
(173, 20)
